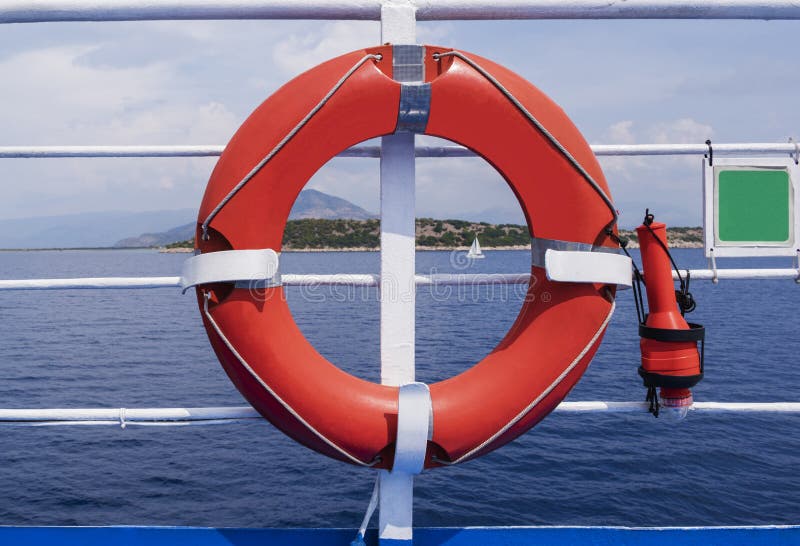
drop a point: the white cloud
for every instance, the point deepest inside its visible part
(357, 180)
(439, 33)
(302, 50)
(194, 82)
(671, 184)
(51, 94)
(312, 45)
(56, 99)
(680, 131)
(621, 133)
(467, 188)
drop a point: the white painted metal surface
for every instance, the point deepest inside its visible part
(693, 149)
(703, 407)
(215, 415)
(26, 11)
(344, 279)
(740, 274)
(720, 249)
(125, 416)
(397, 286)
(91, 282)
(50, 152)
(398, 249)
(368, 151)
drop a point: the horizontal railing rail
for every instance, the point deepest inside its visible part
(345, 279)
(348, 279)
(219, 415)
(370, 151)
(26, 11)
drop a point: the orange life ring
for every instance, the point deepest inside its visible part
(554, 337)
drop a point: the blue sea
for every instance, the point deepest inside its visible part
(147, 348)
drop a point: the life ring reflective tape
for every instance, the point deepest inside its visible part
(465, 99)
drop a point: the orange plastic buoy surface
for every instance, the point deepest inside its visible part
(559, 326)
(670, 358)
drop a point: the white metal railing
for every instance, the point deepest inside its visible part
(221, 415)
(357, 279)
(369, 151)
(25, 11)
(344, 279)
(398, 21)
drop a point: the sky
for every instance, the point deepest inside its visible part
(194, 82)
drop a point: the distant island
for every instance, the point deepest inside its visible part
(345, 234)
(320, 222)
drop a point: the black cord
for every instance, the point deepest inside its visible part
(638, 278)
(685, 300)
(652, 397)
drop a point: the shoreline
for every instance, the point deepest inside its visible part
(184, 250)
(362, 249)
(631, 244)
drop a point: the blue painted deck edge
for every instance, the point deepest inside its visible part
(485, 536)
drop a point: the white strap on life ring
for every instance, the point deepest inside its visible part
(587, 267)
(230, 266)
(413, 428)
(566, 261)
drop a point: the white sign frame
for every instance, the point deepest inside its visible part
(713, 248)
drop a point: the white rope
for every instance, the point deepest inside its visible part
(373, 504)
(541, 128)
(275, 395)
(544, 393)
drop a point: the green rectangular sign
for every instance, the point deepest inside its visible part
(754, 205)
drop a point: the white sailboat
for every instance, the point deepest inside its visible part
(475, 250)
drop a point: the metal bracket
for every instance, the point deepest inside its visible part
(710, 154)
(713, 262)
(796, 154)
(797, 279)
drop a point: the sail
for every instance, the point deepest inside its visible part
(475, 250)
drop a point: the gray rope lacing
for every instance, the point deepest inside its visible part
(542, 129)
(249, 176)
(294, 413)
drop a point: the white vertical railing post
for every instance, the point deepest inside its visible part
(398, 297)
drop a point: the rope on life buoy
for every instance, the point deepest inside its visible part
(283, 142)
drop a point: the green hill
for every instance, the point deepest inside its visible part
(317, 233)
(310, 234)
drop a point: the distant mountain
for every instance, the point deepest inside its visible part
(309, 204)
(495, 215)
(315, 204)
(91, 229)
(180, 233)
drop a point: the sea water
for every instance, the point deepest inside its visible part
(147, 348)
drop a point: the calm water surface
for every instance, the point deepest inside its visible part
(147, 348)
